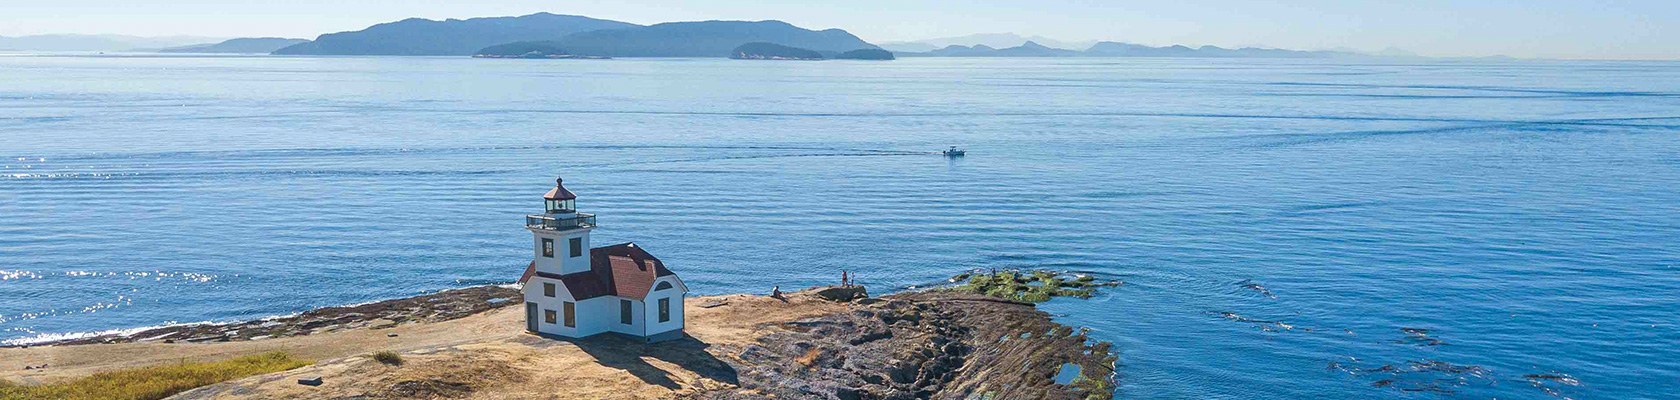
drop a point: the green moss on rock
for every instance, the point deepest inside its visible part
(1030, 287)
(1099, 389)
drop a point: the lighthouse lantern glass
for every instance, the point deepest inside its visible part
(560, 206)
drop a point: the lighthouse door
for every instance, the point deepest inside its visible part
(531, 317)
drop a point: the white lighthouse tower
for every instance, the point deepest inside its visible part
(560, 233)
(573, 290)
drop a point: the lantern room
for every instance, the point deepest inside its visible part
(559, 200)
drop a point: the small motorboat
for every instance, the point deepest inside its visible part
(953, 152)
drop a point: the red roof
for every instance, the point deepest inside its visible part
(559, 191)
(623, 270)
(530, 270)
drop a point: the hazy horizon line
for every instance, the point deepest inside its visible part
(941, 37)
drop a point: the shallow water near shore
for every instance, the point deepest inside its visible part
(1285, 228)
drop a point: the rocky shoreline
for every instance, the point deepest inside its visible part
(435, 307)
(924, 345)
(974, 340)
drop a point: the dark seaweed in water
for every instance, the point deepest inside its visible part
(1559, 378)
(1446, 377)
(1420, 376)
(1246, 284)
(1263, 325)
(1552, 383)
(1414, 376)
(1420, 337)
(1442, 376)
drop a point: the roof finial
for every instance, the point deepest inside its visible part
(559, 191)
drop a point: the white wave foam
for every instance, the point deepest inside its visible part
(125, 332)
(58, 337)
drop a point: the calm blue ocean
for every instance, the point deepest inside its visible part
(1285, 228)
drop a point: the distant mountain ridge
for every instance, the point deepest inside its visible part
(1028, 49)
(549, 34)
(451, 37)
(577, 35)
(1117, 49)
(238, 46)
(706, 39)
(866, 54)
(993, 40)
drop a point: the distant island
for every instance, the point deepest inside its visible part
(993, 40)
(545, 35)
(1029, 49)
(865, 54)
(452, 37)
(240, 46)
(553, 35)
(1013, 45)
(706, 39)
(531, 50)
(772, 51)
(1116, 49)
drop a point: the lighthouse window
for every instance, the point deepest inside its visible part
(548, 315)
(665, 310)
(548, 289)
(548, 247)
(577, 247)
(624, 312)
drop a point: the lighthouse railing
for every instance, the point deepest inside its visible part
(581, 220)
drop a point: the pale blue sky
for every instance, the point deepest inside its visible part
(1614, 29)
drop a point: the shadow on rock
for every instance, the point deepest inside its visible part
(615, 351)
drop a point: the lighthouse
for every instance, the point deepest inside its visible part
(572, 290)
(560, 233)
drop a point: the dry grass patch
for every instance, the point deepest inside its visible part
(447, 377)
(388, 358)
(810, 357)
(154, 382)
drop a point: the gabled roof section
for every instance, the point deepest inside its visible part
(630, 269)
(586, 285)
(559, 191)
(623, 270)
(530, 270)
